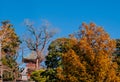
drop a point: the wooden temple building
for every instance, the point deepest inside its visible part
(31, 65)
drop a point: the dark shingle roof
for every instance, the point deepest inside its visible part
(33, 56)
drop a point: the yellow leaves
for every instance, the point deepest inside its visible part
(72, 67)
(96, 38)
(99, 30)
(90, 32)
(10, 39)
(92, 25)
(90, 58)
(59, 69)
(97, 48)
(59, 73)
(111, 76)
(82, 31)
(71, 57)
(85, 26)
(71, 78)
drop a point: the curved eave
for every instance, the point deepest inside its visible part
(26, 60)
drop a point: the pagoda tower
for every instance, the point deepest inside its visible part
(31, 63)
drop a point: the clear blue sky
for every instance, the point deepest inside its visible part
(67, 15)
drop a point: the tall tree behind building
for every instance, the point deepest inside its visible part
(38, 38)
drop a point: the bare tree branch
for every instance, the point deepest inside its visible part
(38, 38)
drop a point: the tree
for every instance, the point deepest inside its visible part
(11, 69)
(38, 39)
(11, 41)
(37, 77)
(97, 48)
(116, 55)
(54, 57)
(9, 44)
(90, 57)
(72, 69)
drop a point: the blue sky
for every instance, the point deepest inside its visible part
(67, 15)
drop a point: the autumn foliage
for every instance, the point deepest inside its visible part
(10, 40)
(10, 43)
(96, 49)
(88, 55)
(89, 59)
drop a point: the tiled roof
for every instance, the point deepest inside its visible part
(33, 55)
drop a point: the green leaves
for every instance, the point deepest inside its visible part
(37, 77)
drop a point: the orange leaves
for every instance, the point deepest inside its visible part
(99, 30)
(96, 38)
(82, 31)
(92, 25)
(59, 73)
(88, 58)
(72, 67)
(10, 40)
(96, 49)
(85, 26)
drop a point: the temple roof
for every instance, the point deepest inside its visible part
(30, 57)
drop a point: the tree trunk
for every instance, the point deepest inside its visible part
(37, 64)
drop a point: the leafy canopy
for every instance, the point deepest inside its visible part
(88, 58)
